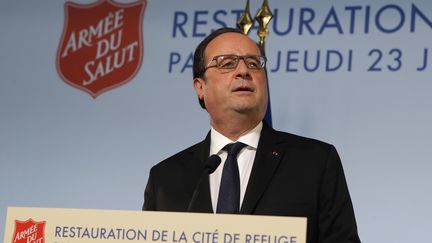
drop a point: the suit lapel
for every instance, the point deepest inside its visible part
(267, 159)
(202, 202)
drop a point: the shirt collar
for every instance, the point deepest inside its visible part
(218, 141)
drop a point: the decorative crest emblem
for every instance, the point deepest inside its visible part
(29, 231)
(102, 45)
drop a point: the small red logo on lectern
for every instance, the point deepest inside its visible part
(102, 45)
(29, 232)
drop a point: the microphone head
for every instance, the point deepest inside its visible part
(212, 163)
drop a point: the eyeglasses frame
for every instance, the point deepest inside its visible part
(262, 59)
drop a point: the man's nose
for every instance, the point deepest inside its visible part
(243, 71)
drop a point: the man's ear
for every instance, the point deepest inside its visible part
(199, 84)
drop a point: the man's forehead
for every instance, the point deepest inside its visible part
(232, 42)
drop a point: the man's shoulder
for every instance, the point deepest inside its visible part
(309, 152)
(294, 140)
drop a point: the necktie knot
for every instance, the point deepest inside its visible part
(234, 148)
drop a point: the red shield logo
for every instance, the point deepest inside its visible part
(29, 232)
(102, 45)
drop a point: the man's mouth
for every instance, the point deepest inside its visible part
(243, 89)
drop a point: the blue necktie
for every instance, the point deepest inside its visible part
(229, 190)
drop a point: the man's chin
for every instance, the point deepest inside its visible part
(246, 108)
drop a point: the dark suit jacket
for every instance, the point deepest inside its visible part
(291, 176)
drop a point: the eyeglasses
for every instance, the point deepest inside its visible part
(232, 61)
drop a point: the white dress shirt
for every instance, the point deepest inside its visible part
(245, 160)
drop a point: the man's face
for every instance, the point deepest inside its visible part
(233, 91)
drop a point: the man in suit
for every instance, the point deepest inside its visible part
(278, 173)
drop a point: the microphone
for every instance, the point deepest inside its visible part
(212, 163)
(210, 166)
